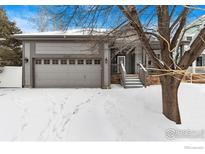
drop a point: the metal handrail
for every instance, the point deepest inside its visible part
(123, 74)
(143, 73)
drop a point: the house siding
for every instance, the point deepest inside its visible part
(106, 67)
(27, 70)
(66, 48)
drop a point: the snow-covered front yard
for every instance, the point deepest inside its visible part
(115, 114)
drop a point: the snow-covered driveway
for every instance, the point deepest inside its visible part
(115, 114)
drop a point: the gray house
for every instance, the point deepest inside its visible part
(78, 58)
(65, 59)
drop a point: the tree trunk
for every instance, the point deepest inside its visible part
(170, 87)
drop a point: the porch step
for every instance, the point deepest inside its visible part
(133, 86)
(131, 75)
(132, 81)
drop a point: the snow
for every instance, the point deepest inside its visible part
(115, 114)
(70, 32)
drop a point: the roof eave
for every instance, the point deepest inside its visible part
(60, 37)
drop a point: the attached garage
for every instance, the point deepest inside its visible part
(65, 60)
(67, 73)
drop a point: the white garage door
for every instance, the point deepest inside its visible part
(62, 73)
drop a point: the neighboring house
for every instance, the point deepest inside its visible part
(190, 35)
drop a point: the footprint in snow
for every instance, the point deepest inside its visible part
(76, 111)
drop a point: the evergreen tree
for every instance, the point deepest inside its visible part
(10, 48)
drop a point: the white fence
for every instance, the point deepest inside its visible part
(11, 76)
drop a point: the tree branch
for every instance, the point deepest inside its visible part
(184, 12)
(196, 48)
(131, 14)
(182, 23)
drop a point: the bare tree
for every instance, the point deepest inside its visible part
(41, 19)
(165, 23)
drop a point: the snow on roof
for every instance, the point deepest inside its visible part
(72, 32)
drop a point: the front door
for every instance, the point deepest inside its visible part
(119, 60)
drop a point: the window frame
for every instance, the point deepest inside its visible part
(189, 38)
(70, 60)
(48, 60)
(97, 61)
(80, 60)
(38, 61)
(63, 60)
(54, 61)
(199, 60)
(87, 61)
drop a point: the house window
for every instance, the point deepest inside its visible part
(149, 62)
(88, 62)
(97, 61)
(72, 61)
(55, 61)
(38, 61)
(199, 61)
(46, 61)
(80, 62)
(188, 38)
(158, 56)
(63, 61)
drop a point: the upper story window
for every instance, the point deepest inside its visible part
(158, 56)
(199, 61)
(189, 38)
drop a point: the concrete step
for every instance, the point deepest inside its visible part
(127, 77)
(131, 80)
(133, 86)
(133, 83)
(131, 74)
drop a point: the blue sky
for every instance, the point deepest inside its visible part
(22, 15)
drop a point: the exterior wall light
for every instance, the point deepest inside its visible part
(106, 60)
(26, 60)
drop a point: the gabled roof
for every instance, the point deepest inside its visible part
(193, 31)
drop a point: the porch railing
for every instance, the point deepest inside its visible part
(143, 73)
(196, 70)
(123, 74)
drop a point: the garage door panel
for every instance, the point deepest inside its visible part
(57, 76)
